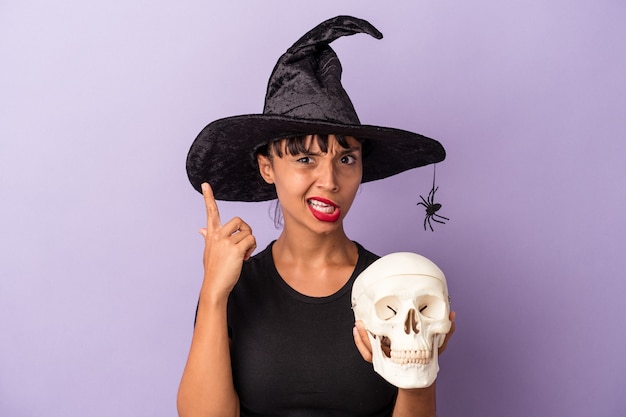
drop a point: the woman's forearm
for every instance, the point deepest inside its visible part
(206, 388)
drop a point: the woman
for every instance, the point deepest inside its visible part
(274, 333)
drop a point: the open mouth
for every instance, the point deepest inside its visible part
(324, 210)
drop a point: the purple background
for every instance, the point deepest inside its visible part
(100, 260)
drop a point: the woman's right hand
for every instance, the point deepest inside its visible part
(206, 387)
(226, 247)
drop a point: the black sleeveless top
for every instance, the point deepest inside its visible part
(294, 355)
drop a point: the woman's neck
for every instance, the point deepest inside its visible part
(315, 267)
(315, 248)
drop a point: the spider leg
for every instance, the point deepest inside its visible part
(431, 196)
(423, 203)
(429, 224)
(441, 217)
(438, 221)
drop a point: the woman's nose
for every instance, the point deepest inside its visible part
(327, 177)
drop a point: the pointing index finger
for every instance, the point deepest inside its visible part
(212, 213)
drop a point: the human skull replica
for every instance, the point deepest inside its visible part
(402, 300)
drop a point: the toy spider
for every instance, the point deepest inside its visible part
(431, 208)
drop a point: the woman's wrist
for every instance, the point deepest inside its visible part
(416, 402)
(210, 298)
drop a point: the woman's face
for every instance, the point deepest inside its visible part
(315, 189)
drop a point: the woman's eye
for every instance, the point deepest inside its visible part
(305, 160)
(348, 159)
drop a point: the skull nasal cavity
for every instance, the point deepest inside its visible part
(410, 324)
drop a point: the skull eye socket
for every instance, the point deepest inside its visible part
(431, 307)
(387, 307)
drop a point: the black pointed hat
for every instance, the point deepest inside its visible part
(304, 96)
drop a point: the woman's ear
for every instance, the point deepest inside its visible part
(265, 168)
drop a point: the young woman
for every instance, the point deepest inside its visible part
(275, 334)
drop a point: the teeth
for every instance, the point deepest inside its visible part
(410, 357)
(322, 207)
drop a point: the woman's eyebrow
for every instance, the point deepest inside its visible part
(343, 151)
(351, 149)
(310, 153)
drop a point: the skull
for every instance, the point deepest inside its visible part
(402, 300)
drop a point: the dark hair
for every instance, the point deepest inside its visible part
(299, 144)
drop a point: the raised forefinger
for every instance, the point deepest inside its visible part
(212, 214)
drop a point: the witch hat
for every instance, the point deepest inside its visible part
(304, 96)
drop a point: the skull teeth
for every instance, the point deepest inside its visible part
(410, 357)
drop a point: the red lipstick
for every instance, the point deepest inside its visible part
(323, 209)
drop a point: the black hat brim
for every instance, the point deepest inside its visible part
(223, 154)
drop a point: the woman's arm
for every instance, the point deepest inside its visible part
(206, 388)
(419, 402)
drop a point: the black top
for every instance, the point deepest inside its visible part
(294, 355)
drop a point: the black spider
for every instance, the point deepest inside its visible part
(431, 208)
